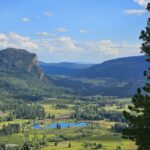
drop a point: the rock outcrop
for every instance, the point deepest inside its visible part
(20, 60)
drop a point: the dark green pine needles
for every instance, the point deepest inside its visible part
(139, 114)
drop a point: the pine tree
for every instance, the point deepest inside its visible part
(69, 145)
(25, 146)
(139, 114)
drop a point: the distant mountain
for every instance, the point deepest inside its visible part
(22, 78)
(119, 77)
(64, 68)
(68, 65)
(129, 68)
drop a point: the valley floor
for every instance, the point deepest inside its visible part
(97, 135)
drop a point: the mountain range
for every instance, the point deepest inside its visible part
(63, 68)
(117, 77)
(22, 76)
(129, 68)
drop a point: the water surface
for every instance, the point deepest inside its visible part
(60, 125)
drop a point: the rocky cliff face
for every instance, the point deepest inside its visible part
(19, 60)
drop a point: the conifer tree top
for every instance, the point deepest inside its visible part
(148, 7)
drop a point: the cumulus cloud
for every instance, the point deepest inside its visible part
(59, 44)
(135, 11)
(25, 20)
(45, 34)
(3, 37)
(16, 41)
(62, 30)
(69, 43)
(138, 11)
(103, 46)
(48, 13)
(64, 47)
(108, 47)
(142, 2)
(83, 31)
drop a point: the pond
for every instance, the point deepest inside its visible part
(60, 125)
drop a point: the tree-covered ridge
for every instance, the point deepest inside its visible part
(27, 87)
(128, 68)
(22, 78)
(64, 68)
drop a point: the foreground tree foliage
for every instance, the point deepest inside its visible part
(139, 115)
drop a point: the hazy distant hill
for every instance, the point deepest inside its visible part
(22, 78)
(64, 68)
(119, 77)
(129, 68)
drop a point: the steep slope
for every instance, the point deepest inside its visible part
(16, 60)
(22, 78)
(121, 69)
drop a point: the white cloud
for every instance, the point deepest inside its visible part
(69, 43)
(142, 2)
(14, 40)
(51, 44)
(48, 13)
(3, 37)
(83, 31)
(45, 34)
(135, 11)
(60, 44)
(64, 47)
(111, 49)
(106, 47)
(62, 30)
(138, 11)
(25, 20)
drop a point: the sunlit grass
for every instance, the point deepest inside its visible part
(57, 112)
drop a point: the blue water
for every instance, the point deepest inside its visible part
(36, 126)
(61, 125)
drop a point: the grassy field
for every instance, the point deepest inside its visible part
(78, 145)
(100, 134)
(97, 131)
(57, 112)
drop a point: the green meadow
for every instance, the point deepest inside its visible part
(98, 134)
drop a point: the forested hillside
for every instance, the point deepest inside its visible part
(22, 78)
(129, 68)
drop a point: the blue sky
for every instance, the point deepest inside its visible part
(73, 30)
